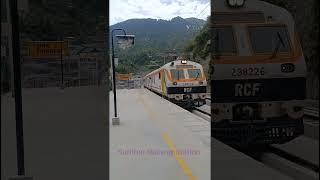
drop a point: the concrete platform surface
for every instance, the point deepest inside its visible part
(150, 127)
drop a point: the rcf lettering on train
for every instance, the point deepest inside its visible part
(247, 89)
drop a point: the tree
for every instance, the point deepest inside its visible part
(200, 46)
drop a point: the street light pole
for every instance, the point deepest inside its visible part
(116, 119)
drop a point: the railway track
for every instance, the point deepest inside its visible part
(202, 111)
(311, 112)
(201, 114)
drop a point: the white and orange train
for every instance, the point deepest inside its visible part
(258, 80)
(182, 82)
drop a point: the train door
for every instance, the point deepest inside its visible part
(163, 83)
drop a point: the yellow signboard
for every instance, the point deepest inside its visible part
(40, 49)
(124, 77)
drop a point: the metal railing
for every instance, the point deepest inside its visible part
(312, 108)
(311, 111)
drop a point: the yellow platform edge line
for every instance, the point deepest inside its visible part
(184, 166)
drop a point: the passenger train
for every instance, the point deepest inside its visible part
(181, 81)
(258, 82)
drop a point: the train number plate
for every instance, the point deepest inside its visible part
(186, 84)
(248, 71)
(187, 90)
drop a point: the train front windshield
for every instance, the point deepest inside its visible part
(177, 74)
(273, 37)
(224, 37)
(194, 73)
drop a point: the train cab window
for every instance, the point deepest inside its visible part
(268, 39)
(159, 75)
(177, 74)
(194, 73)
(225, 38)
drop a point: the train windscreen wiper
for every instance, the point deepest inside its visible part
(197, 76)
(280, 42)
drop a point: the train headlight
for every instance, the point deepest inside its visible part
(200, 82)
(183, 62)
(293, 109)
(232, 2)
(287, 67)
(240, 2)
(174, 83)
(215, 111)
(235, 3)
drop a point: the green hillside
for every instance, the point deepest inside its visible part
(153, 37)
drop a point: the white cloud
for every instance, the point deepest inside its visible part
(121, 10)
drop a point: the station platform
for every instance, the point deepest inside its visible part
(151, 128)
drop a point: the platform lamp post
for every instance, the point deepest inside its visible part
(124, 41)
(17, 92)
(61, 60)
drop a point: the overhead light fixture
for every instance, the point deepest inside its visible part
(183, 61)
(125, 41)
(235, 3)
(232, 2)
(287, 67)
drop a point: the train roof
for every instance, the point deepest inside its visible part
(277, 13)
(253, 11)
(249, 6)
(176, 62)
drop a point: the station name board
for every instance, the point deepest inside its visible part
(42, 49)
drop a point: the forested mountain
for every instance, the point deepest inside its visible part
(161, 34)
(152, 37)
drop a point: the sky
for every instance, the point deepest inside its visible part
(121, 10)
